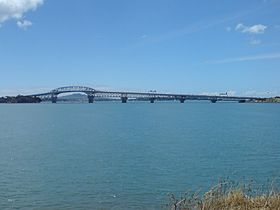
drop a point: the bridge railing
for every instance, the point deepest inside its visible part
(144, 95)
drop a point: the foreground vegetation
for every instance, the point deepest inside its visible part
(226, 196)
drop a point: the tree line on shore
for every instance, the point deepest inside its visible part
(20, 99)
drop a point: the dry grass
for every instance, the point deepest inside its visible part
(225, 196)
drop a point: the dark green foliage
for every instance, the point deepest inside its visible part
(20, 99)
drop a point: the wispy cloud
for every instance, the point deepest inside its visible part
(15, 9)
(255, 41)
(24, 24)
(247, 93)
(228, 93)
(207, 24)
(190, 29)
(257, 93)
(246, 58)
(196, 27)
(254, 29)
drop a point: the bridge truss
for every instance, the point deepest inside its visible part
(124, 96)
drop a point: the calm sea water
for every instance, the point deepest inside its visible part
(110, 155)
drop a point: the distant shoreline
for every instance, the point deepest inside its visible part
(83, 98)
(20, 99)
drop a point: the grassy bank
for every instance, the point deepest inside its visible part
(226, 196)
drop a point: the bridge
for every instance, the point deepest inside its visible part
(124, 96)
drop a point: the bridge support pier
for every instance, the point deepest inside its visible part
(54, 98)
(242, 101)
(90, 99)
(182, 100)
(152, 100)
(124, 99)
(213, 100)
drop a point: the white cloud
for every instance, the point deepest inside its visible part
(247, 93)
(228, 93)
(24, 23)
(255, 41)
(209, 93)
(15, 9)
(255, 29)
(268, 93)
(246, 58)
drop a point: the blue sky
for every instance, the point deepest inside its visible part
(182, 46)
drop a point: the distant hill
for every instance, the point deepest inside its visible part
(73, 97)
(81, 98)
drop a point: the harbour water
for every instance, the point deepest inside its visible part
(109, 155)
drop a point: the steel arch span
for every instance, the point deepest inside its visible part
(52, 95)
(68, 89)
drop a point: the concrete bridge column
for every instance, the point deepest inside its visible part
(124, 99)
(182, 100)
(213, 100)
(54, 98)
(152, 100)
(90, 98)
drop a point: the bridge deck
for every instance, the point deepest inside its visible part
(149, 95)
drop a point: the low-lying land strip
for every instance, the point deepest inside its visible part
(20, 99)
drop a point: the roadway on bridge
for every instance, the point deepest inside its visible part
(124, 96)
